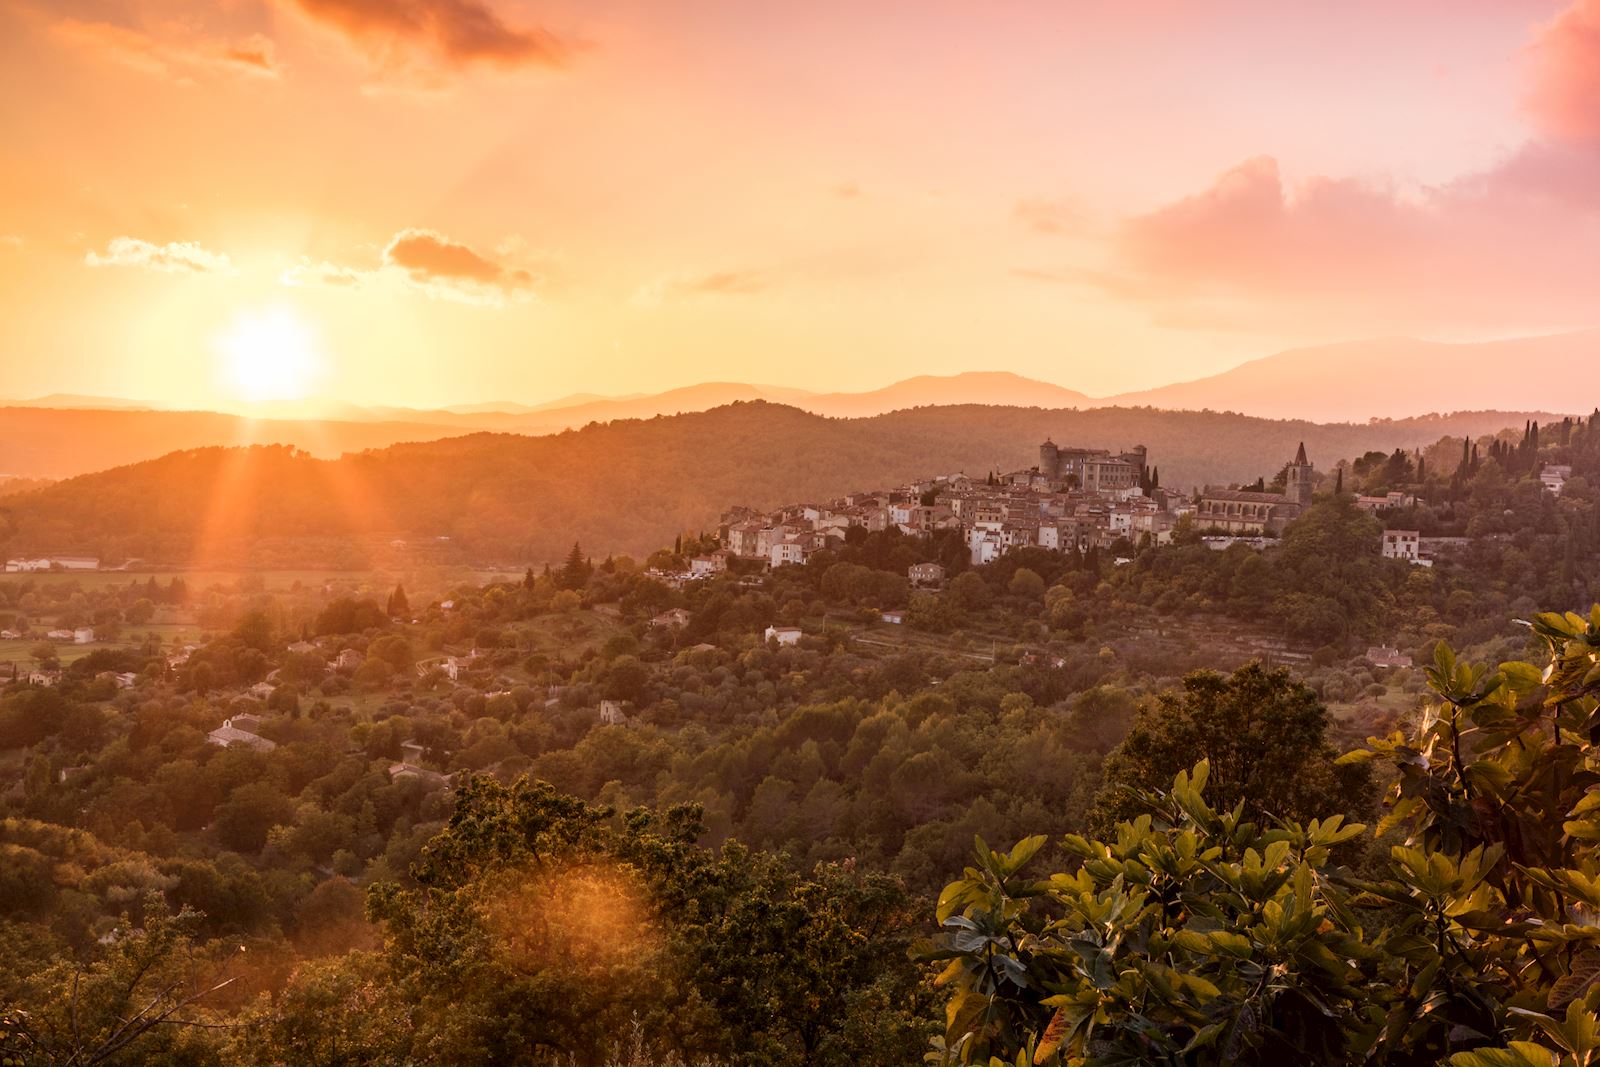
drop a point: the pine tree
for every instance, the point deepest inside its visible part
(575, 571)
(398, 606)
(1338, 482)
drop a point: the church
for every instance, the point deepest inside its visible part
(1241, 511)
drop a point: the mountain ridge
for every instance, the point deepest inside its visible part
(624, 486)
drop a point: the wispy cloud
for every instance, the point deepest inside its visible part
(456, 33)
(175, 257)
(1052, 217)
(177, 57)
(681, 287)
(308, 272)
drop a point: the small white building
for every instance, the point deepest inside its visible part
(1402, 544)
(613, 713)
(83, 635)
(787, 553)
(240, 730)
(706, 566)
(1553, 476)
(784, 635)
(671, 619)
(1384, 656)
(925, 573)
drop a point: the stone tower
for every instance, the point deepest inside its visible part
(1299, 485)
(1049, 459)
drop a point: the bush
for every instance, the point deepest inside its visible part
(1201, 936)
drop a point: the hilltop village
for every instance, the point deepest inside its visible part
(1074, 498)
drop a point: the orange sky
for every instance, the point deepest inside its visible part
(422, 202)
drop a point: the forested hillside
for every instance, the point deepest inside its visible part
(624, 486)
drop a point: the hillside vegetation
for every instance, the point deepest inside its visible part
(620, 487)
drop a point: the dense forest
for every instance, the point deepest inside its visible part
(589, 817)
(626, 486)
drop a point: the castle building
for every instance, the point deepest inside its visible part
(1241, 511)
(1094, 470)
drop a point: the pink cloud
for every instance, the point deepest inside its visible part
(457, 32)
(1564, 98)
(1514, 247)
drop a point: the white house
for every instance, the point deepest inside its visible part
(706, 566)
(1554, 476)
(1384, 656)
(613, 712)
(784, 635)
(1402, 544)
(925, 573)
(83, 635)
(787, 553)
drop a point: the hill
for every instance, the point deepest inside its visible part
(1395, 377)
(60, 443)
(973, 387)
(626, 486)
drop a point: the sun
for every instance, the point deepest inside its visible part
(270, 355)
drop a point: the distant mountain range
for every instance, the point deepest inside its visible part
(62, 435)
(1395, 377)
(624, 486)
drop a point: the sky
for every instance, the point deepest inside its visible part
(429, 202)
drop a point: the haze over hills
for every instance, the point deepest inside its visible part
(1394, 377)
(1353, 381)
(973, 387)
(59, 443)
(64, 435)
(626, 486)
